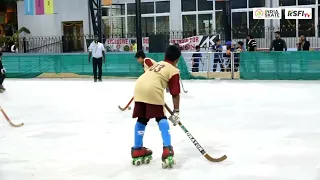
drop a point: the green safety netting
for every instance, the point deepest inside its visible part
(117, 65)
(295, 65)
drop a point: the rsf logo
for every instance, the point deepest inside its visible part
(298, 13)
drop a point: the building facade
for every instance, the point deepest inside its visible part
(204, 17)
(70, 17)
(179, 18)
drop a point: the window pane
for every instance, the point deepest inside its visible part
(131, 8)
(239, 25)
(162, 25)
(256, 27)
(205, 24)
(131, 26)
(220, 4)
(287, 2)
(256, 3)
(147, 8)
(117, 9)
(106, 25)
(105, 11)
(306, 2)
(118, 26)
(306, 26)
(163, 6)
(219, 23)
(188, 5)
(204, 5)
(147, 26)
(287, 26)
(189, 25)
(239, 4)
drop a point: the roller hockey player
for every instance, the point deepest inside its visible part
(149, 102)
(2, 75)
(144, 61)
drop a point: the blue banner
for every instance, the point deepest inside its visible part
(29, 7)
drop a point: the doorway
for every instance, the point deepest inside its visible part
(73, 38)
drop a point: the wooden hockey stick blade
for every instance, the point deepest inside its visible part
(185, 91)
(125, 108)
(121, 108)
(8, 119)
(211, 159)
(196, 143)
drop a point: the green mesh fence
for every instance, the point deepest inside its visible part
(117, 65)
(295, 65)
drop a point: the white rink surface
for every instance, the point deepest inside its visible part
(269, 130)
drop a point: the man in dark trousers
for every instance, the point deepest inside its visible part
(2, 74)
(278, 44)
(303, 44)
(196, 58)
(97, 51)
(217, 49)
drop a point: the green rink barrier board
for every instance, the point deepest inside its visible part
(76, 65)
(295, 65)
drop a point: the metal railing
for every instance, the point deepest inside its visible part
(78, 43)
(218, 65)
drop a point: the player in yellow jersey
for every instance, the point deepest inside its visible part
(149, 103)
(144, 61)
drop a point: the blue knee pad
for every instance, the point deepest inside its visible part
(138, 134)
(164, 128)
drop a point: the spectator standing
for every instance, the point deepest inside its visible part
(278, 44)
(251, 43)
(14, 48)
(196, 58)
(217, 49)
(239, 49)
(2, 74)
(97, 51)
(303, 44)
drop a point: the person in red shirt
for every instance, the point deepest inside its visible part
(144, 61)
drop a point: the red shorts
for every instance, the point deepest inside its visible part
(148, 111)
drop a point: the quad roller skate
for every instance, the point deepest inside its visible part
(167, 157)
(2, 89)
(141, 156)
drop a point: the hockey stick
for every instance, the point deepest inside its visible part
(8, 119)
(185, 91)
(127, 106)
(195, 142)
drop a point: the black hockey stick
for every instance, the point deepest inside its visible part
(195, 142)
(185, 91)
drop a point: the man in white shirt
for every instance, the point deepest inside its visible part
(97, 51)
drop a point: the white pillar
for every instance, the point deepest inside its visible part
(175, 15)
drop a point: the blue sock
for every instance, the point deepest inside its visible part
(164, 128)
(138, 134)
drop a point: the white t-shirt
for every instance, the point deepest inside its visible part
(96, 49)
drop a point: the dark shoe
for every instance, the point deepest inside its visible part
(95, 80)
(100, 80)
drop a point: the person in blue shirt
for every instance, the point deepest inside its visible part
(196, 58)
(217, 48)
